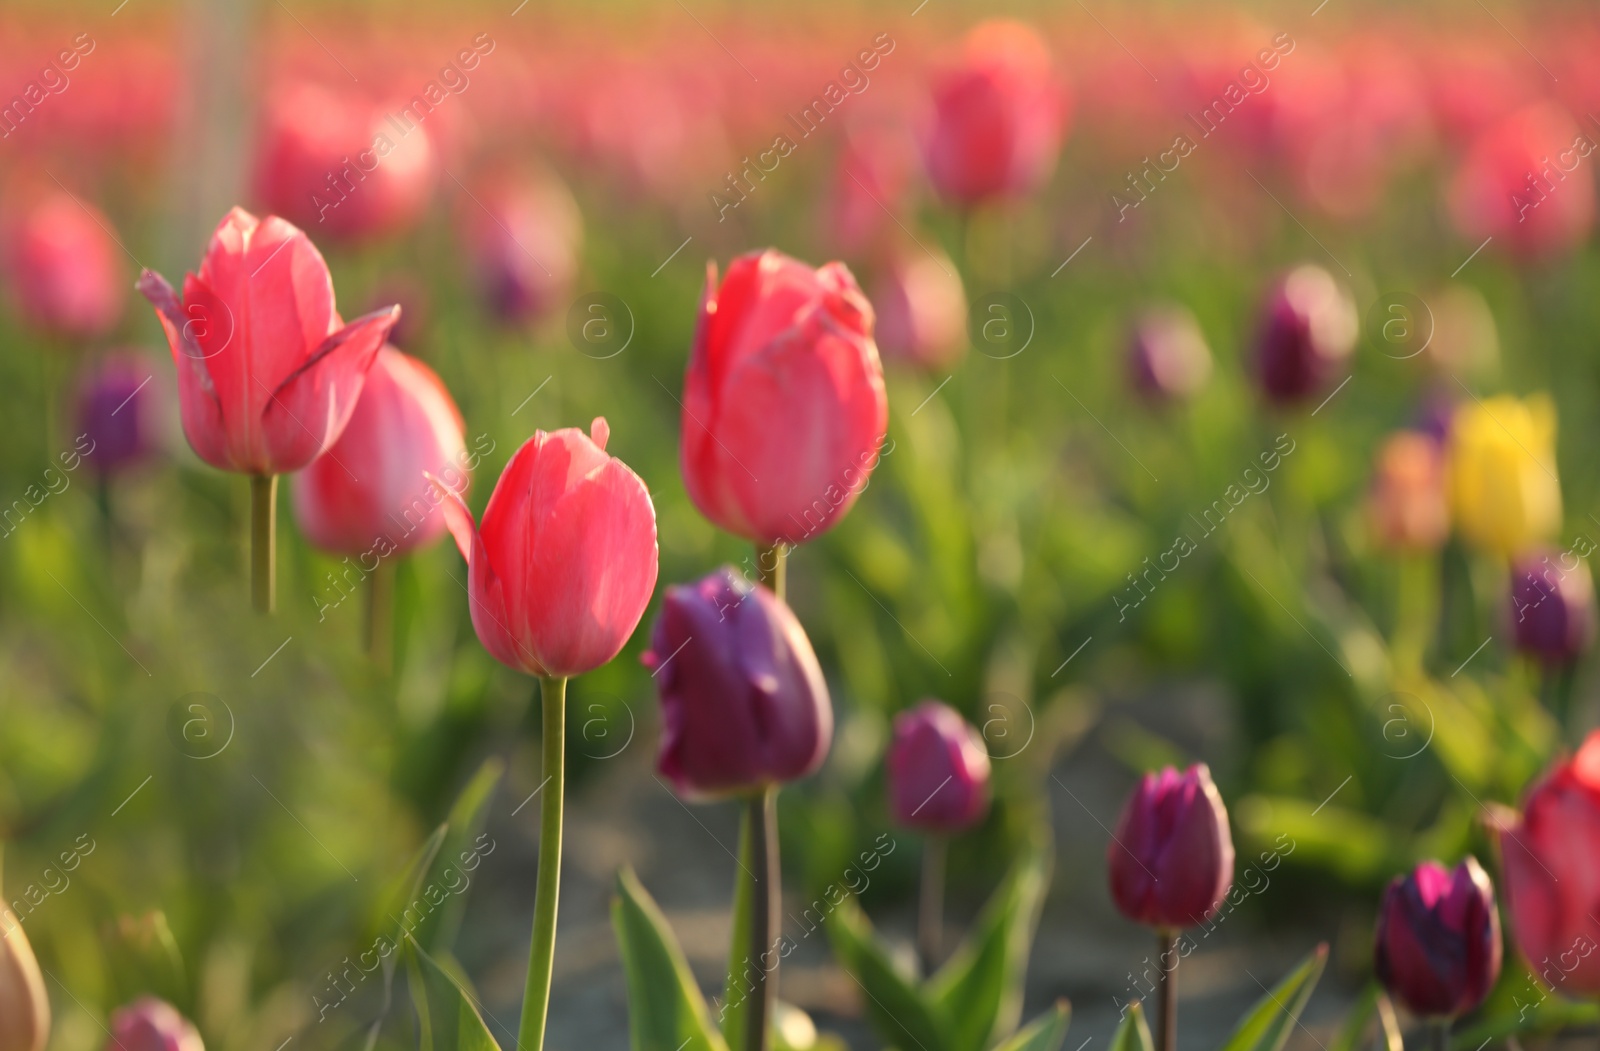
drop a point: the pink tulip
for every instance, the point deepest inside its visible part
(1168, 359)
(922, 311)
(1547, 861)
(149, 1024)
(65, 268)
(1527, 182)
(784, 408)
(1171, 859)
(999, 116)
(938, 770)
(342, 166)
(372, 486)
(1437, 947)
(563, 564)
(268, 373)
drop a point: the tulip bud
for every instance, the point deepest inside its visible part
(119, 410)
(1508, 188)
(149, 1024)
(784, 409)
(562, 565)
(1503, 486)
(1552, 609)
(371, 492)
(1171, 860)
(1407, 505)
(1308, 330)
(268, 373)
(1168, 359)
(523, 239)
(1437, 948)
(1547, 872)
(24, 1006)
(999, 113)
(922, 311)
(938, 770)
(743, 701)
(64, 267)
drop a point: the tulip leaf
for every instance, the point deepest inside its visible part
(447, 1014)
(1269, 1022)
(979, 989)
(1132, 1034)
(433, 913)
(1352, 1034)
(665, 1009)
(1044, 1033)
(896, 1009)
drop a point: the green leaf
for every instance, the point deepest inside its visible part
(1044, 1033)
(896, 1009)
(1268, 1023)
(665, 1009)
(979, 989)
(1132, 1034)
(432, 915)
(1353, 1033)
(447, 1015)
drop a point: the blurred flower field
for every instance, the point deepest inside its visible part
(1120, 469)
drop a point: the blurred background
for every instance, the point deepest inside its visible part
(1104, 527)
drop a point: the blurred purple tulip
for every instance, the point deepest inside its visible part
(1168, 359)
(149, 1024)
(938, 770)
(1437, 947)
(1308, 330)
(743, 701)
(1171, 860)
(119, 408)
(1552, 608)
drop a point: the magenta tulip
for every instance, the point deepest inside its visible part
(784, 409)
(1171, 859)
(938, 770)
(1308, 330)
(743, 702)
(1437, 948)
(564, 561)
(1552, 608)
(149, 1024)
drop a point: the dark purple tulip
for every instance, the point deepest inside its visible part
(743, 701)
(1552, 606)
(1171, 860)
(938, 770)
(1437, 948)
(1168, 359)
(1308, 330)
(118, 409)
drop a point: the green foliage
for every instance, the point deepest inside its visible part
(665, 1009)
(1268, 1024)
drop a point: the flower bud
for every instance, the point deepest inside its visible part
(1171, 860)
(1503, 486)
(1552, 609)
(938, 770)
(149, 1024)
(1308, 330)
(24, 1007)
(1168, 359)
(1407, 505)
(743, 701)
(1437, 947)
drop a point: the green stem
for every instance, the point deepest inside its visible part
(542, 953)
(930, 904)
(762, 808)
(1441, 1034)
(1167, 1027)
(1416, 610)
(380, 616)
(772, 564)
(263, 541)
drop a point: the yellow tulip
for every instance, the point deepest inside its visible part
(1503, 485)
(24, 1007)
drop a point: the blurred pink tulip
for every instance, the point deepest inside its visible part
(1527, 181)
(64, 268)
(938, 770)
(922, 310)
(149, 1024)
(523, 238)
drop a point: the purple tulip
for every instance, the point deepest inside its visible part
(1552, 607)
(938, 770)
(1308, 330)
(118, 409)
(1437, 947)
(149, 1024)
(743, 701)
(1171, 860)
(1168, 359)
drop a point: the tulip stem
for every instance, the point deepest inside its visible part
(542, 953)
(1441, 1034)
(380, 616)
(762, 810)
(930, 904)
(1167, 1027)
(773, 565)
(264, 541)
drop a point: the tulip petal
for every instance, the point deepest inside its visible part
(198, 407)
(310, 408)
(459, 520)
